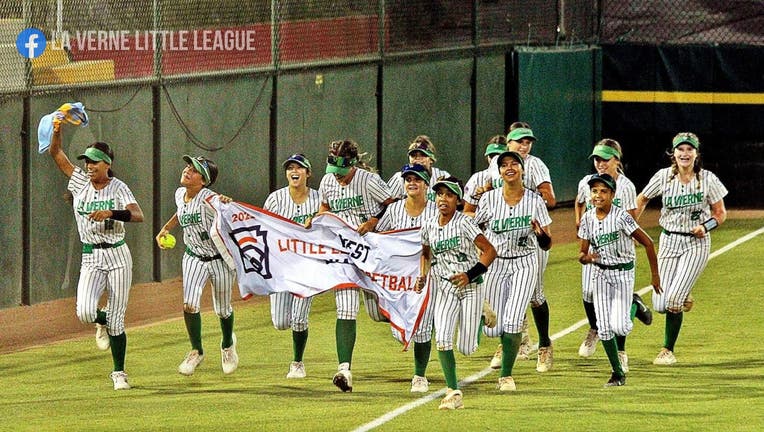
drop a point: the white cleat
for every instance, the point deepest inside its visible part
(665, 358)
(507, 384)
(452, 401)
(296, 370)
(229, 359)
(102, 337)
(120, 380)
(545, 359)
(497, 356)
(343, 379)
(419, 384)
(189, 364)
(589, 345)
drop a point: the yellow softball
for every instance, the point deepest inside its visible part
(168, 241)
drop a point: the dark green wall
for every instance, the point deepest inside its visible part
(490, 88)
(13, 207)
(557, 96)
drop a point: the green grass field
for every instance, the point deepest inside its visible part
(718, 383)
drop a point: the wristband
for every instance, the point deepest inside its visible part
(544, 240)
(710, 224)
(121, 215)
(476, 270)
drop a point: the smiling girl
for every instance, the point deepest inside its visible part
(693, 205)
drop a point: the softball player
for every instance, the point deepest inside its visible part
(421, 152)
(517, 224)
(411, 213)
(536, 178)
(299, 203)
(102, 204)
(693, 205)
(607, 155)
(448, 248)
(360, 197)
(606, 232)
(201, 263)
(480, 182)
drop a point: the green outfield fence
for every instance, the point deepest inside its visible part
(247, 83)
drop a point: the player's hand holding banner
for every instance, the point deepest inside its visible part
(272, 254)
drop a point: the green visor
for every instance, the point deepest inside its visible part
(520, 133)
(494, 149)
(605, 152)
(452, 186)
(200, 165)
(339, 165)
(683, 138)
(96, 155)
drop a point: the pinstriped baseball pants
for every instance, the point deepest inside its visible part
(681, 260)
(105, 269)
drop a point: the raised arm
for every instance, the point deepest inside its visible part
(57, 153)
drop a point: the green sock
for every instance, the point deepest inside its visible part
(541, 318)
(118, 349)
(633, 311)
(620, 342)
(421, 357)
(510, 344)
(345, 331)
(673, 325)
(480, 329)
(611, 348)
(299, 340)
(448, 364)
(100, 317)
(194, 329)
(591, 316)
(226, 325)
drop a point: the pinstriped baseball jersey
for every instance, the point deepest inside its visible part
(281, 203)
(508, 228)
(625, 193)
(477, 180)
(610, 237)
(195, 217)
(684, 205)
(536, 173)
(357, 202)
(452, 245)
(396, 184)
(87, 199)
(396, 217)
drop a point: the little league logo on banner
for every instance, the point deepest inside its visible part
(273, 254)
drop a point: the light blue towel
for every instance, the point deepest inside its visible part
(72, 113)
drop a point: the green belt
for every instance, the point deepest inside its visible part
(88, 247)
(625, 266)
(678, 233)
(203, 258)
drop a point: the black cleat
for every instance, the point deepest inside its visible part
(644, 313)
(616, 381)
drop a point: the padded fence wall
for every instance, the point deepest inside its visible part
(556, 97)
(14, 203)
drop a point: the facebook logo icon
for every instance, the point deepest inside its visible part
(31, 43)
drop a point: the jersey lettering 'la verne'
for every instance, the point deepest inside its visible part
(684, 205)
(625, 193)
(610, 237)
(195, 217)
(281, 203)
(396, 217)
(397, 189)
(509, 228)
(87, 199)
(452, 245)
(359, 200)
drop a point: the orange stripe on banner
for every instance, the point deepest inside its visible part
(683, 97)
(247, 239)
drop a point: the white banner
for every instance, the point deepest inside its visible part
(273, 254)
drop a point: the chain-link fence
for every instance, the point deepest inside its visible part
(113, 40)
